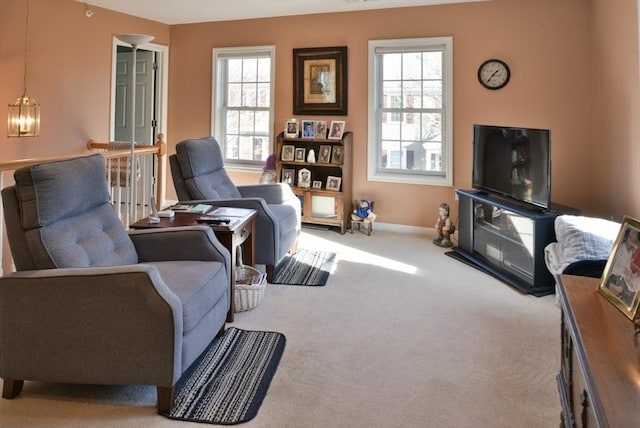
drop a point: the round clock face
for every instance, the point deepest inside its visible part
(494, 74)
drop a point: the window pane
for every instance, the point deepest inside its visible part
(411, 94)
(234, 70)
(249, 69)
(390, 90)
(432, 65)
(232, 122)
(391, 68)
(264, 70)
(231, 147)
(264, 95)
(246, 122)
(234, 96)
(411, 66)
(249, 95)
(432, 94)
(262, 122)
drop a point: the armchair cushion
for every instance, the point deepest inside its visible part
(64, 229)
(203, 171)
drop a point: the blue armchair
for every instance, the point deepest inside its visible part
(198, 175)
(93, 303)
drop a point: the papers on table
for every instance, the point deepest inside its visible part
(192, 209)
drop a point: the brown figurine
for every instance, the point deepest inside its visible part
(444, 227)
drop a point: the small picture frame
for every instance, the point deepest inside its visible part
(337, 154)
(317, 184)
(308, 129)
(291, 128)
(333, 183)
(620, 282)
(336, 130)
(321, 129)
(287, 154)
(288, 176)
(325, 154)
(304, 178)
(300, 152)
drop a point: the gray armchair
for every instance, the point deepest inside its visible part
(198, 175)
(91, 303)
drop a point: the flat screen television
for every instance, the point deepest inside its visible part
(513, 162)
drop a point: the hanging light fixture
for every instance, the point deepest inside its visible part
(24, 115)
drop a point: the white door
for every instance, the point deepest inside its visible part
(145, 96)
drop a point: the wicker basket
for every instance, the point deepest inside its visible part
(250, 285)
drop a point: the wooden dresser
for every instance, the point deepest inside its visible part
(599, 379)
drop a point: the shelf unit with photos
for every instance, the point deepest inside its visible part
(320, 206)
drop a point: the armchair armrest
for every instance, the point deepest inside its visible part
(179, 243)
(55, 317)
(274, 193)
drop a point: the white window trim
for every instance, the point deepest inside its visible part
(217, 98)
(374, 127)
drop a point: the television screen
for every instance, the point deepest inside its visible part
(513, 162)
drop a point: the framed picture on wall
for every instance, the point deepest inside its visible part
(320, 80)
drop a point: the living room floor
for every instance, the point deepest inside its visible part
(401, 336)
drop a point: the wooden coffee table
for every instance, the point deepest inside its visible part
(239, 232)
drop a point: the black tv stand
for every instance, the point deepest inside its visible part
(506, 239)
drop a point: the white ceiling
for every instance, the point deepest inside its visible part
(173, 12)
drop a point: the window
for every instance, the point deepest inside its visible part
(410, 111)
(243, 99)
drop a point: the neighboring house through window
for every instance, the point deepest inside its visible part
(410, 111)
(243, 104)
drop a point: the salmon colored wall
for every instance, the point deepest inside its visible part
(69, 71)
(616, 109)
(574, 70)
(545, 42)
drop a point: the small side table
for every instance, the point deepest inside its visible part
(241, 231)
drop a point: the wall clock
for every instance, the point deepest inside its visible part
(494, 74)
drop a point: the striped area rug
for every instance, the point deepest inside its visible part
(228, 383)
(306, 267)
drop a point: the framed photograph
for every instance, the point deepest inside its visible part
(317, 184)
(320, 81)
(287, 176)
(308, 129)
(336, 130)
(333, 183)
(291, 128)
(325, 154)
(304, 178)
(300, 152)
(321, 129)
(620, 282)
(337, 154)
(287, 153)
